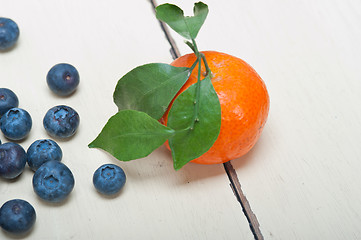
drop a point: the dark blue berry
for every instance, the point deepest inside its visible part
(63, 79)
(16, 124)
(17, 216)
(42, 151)
(8, 100)
(53, 181)
(9, 33)
(109, 179)
(12, 160)
(61, 121)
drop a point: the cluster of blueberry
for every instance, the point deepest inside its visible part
(15, 123)
(52, 181)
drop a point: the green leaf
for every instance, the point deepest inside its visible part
(188, 144)
(187, 27)
(131, 134)
(150, 88)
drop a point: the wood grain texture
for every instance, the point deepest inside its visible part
(104, 40)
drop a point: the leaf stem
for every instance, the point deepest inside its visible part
(195, 50)
(208, 70)
(190, 45)
(198, 90)
(200, 57)
(198, 93)
(195, 47)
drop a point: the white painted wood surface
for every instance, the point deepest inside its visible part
(104, 40)
(302, 179)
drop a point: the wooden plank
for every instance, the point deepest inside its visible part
(307, 163)
(302, 178)
(104, 40)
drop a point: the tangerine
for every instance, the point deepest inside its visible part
(244, 104)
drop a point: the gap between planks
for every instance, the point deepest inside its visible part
(231, 173)
(246, 207)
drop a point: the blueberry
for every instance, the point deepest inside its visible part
(17, 216)
(42, 151)
(9, 33)
(53, 181)
(16, 124)
(109, 179)
(12, 160)
(8, 100)
(63, 79)
(61, 121)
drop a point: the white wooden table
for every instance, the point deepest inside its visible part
(301, 180)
